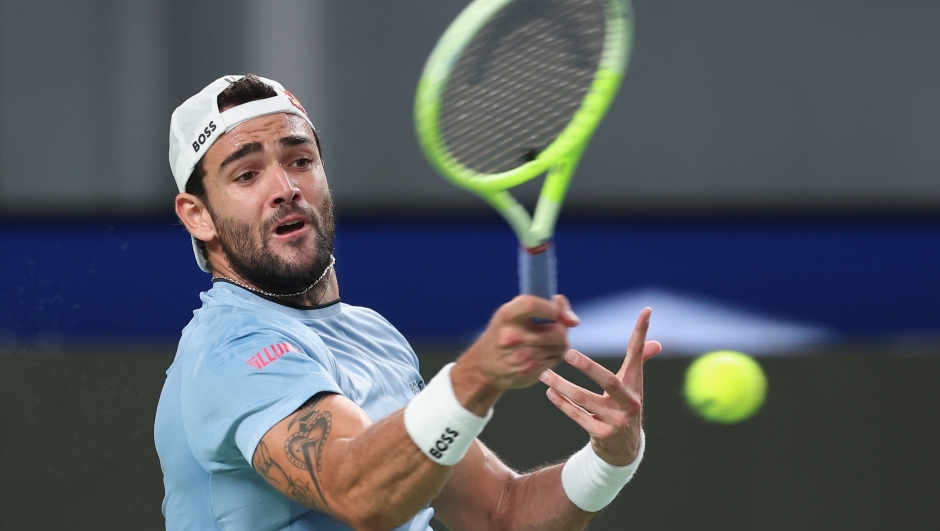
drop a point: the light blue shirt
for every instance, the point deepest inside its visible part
(244, 363)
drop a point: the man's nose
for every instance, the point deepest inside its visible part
(284, 188)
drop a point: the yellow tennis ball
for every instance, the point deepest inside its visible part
(725, 386)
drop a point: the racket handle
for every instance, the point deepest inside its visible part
(537, 271)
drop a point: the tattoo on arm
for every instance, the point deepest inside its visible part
(305, 446)
(310, 427)
(274, 474)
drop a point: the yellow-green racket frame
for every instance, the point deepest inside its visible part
(559, 159)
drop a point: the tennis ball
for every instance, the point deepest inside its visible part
(725, 386)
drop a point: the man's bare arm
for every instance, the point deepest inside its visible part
(329, 456)
(484, 494)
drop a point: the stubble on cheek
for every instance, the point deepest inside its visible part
(279, 267)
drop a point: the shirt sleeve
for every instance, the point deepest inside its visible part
(239, 388)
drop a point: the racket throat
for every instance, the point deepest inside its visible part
(544, 218)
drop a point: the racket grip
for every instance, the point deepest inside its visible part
(537, 271)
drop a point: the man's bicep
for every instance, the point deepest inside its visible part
(290, 455)
(471, 495)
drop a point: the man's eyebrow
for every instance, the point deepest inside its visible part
(244, 151)
(295, 140)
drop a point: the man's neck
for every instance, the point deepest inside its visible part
(325, 291)
(316, 297)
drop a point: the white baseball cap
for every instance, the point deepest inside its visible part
(197, 123)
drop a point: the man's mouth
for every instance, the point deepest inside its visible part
(289, 227)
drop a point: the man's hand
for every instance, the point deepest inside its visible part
(613, 420)
(513, 350)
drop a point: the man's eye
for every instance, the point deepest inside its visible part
(245, 177)
(303, 163)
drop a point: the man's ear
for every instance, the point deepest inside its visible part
(195, 216)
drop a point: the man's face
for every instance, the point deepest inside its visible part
(269, 200)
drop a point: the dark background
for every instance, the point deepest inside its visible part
(777, 157)
(844, 442)
(728, 106)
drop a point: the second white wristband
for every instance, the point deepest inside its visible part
(436, 421)
(591, 483)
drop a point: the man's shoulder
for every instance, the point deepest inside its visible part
(365, 314)
(223, 320)
(225, 327)
(362, 321)
(221, 308)
(371, 330)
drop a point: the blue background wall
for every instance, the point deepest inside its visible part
(439, 280)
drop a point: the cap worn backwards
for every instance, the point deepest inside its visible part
(197, 123)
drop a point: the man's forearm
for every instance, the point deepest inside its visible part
(538, 501)
(329, 457)
(381, 476)
(373, 475)
(484, 494)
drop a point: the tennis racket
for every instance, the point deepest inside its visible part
(513, 90)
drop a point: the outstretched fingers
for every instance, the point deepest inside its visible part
(613, 407)
(637, 344)
(638, 351)
(581, 416)
(577, 395)
(609, 382)
(613, 419)
(651, 348)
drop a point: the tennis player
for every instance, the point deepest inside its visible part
(287, 409)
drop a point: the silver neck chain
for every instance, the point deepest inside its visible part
(266, 294)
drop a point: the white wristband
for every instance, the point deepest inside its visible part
(591, 483)
(441, 427)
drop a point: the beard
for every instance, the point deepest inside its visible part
(249, 254)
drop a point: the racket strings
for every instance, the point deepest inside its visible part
(519, 82)
(499, 131)
(515, 123)
(515, 117)
(505, 81)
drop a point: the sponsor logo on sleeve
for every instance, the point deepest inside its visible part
(417, 386)
(270, 354)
